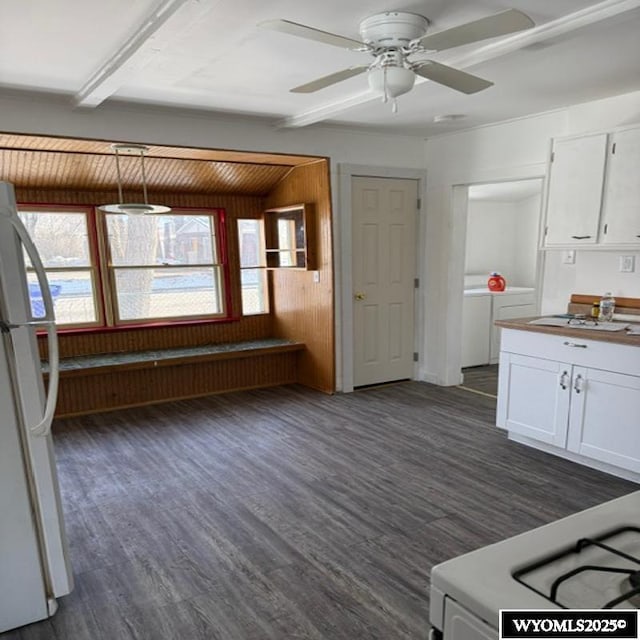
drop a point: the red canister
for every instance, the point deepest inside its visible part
(496, 282)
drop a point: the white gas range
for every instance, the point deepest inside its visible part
(542, 569)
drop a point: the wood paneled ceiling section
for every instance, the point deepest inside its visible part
(39, 162)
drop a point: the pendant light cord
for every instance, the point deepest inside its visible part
(144, 177)
(119, 177)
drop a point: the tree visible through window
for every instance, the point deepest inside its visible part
(160, 267)
(165, 266)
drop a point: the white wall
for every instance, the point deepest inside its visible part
(503, 237)
(526, 241)
(594, 273)
(511, 150)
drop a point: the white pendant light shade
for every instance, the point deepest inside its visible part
(132, 208)
(391, 81)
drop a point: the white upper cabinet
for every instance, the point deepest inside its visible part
(621, 207)
(576, 177)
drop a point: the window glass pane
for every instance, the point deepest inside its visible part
(254, 291)
(73, 296)
(250, 238)
(61, 238)
(162, 239)
(168, 293)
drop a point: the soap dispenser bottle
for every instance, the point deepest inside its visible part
(607, 306)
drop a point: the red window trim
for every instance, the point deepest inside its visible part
(94, 249)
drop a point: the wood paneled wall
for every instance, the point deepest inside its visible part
(247, 328)
(304, 309)
(88, 394)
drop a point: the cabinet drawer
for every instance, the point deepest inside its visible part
(578, 351)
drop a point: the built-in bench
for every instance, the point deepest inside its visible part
(105, 362)
(144, 377)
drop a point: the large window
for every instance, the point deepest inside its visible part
(253, 272)
(164, 266)
(107, 269)
(64, 242)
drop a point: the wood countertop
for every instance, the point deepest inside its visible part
(617, 337)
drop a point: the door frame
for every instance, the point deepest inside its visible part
(344, 267)
(460, 213)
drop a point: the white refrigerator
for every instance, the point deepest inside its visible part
(34, 567)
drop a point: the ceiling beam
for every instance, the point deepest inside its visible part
(108, 78)
(554, 28)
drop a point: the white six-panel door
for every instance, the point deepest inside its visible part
(384, 213)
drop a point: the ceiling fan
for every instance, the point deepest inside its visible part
(394, 39)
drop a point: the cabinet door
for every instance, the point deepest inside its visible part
(576, 176)
(533, 397)
(476, 329)
(621, 208)
(604, 423)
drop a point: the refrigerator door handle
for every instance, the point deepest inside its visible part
(42, 428)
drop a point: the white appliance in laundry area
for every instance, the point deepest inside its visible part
(481, 308)
(34, 568)
(589, 560)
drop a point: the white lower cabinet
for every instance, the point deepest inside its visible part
(604, 421)
(588, 411)
(533, 397)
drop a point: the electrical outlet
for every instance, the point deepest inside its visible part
(569, 257)
(627, 264)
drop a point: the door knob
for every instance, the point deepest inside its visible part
(359, 296)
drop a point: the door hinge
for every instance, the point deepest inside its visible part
(613, 148)
(419, 204)
(606, 227)
(553, 156)
(415, 356)
(416, 283)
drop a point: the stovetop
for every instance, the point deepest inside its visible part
(600, 572)
(483, 581)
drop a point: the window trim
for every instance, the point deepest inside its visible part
(94, 257)
(104, 288)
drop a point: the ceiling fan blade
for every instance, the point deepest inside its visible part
(302, 31)
(450, 77)
(327, 81)
(499, 24)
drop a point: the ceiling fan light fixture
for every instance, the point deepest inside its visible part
(391, 82)
(132, 208)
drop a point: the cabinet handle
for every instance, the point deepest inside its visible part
(563, 380)
(575, 344)
(580, 237)
(578, 385)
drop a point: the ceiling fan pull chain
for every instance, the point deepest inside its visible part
(394, 108)
(385, 96)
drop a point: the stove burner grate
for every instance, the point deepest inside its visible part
(552, 596)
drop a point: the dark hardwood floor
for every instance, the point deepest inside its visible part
(481, 379)
(287, 514)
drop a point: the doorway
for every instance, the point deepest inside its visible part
(502, 235)
(384, 229)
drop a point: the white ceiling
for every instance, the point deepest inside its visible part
(210, 54)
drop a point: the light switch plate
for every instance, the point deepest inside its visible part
(316, 276)
(569, 257)
(627, 264)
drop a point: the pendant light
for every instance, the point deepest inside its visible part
(132, 208)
